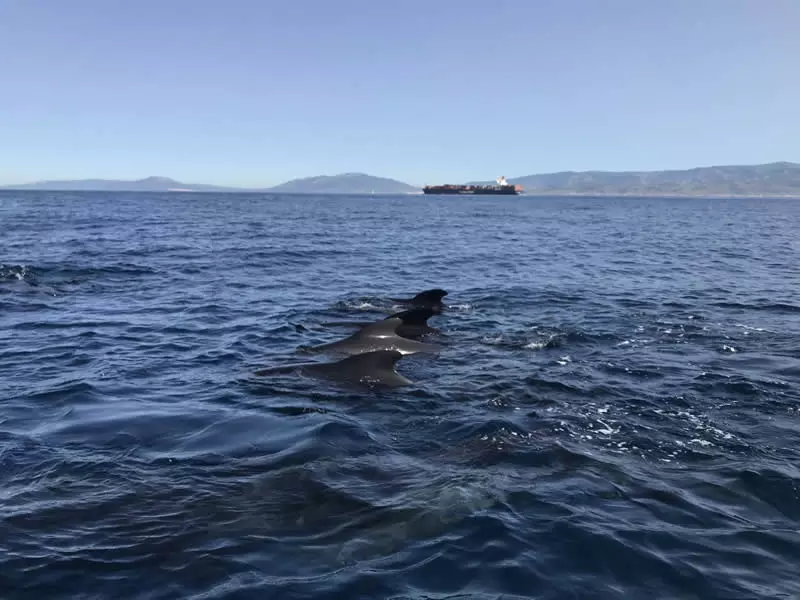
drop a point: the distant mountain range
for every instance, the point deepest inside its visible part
(772, 179)
(346, 183)
(779, 178)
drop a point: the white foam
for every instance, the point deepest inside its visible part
(607, 429)
(700, 442)
(365, 306)
(536, 345)
(464, 307)
(749, 328)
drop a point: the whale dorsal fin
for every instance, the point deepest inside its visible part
(385, 328)
(434, 295)
(415, 316)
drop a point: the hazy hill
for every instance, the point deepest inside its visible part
(346, 183)
(149, 184)
(780, 178)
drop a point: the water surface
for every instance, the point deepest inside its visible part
(615, 413)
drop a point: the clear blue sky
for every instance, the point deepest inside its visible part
(254, 92)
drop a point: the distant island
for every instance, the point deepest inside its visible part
(346, 183)
(771, 179)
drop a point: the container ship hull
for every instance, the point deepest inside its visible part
(476, 190)
(503, 188)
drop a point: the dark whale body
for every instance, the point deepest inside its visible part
(370, 368)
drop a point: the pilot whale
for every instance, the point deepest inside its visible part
(375, 368)
(381, 335)
(428, 299)
(414, 323)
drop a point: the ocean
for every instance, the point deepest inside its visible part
(615, 412)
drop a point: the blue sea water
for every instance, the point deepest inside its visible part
(615, 412)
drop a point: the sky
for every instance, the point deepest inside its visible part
(257, 92)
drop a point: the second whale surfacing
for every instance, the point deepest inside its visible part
(414, 323)
(431, 299)
(381, 335)
(368, 368)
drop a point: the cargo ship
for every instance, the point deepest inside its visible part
(502, 187)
